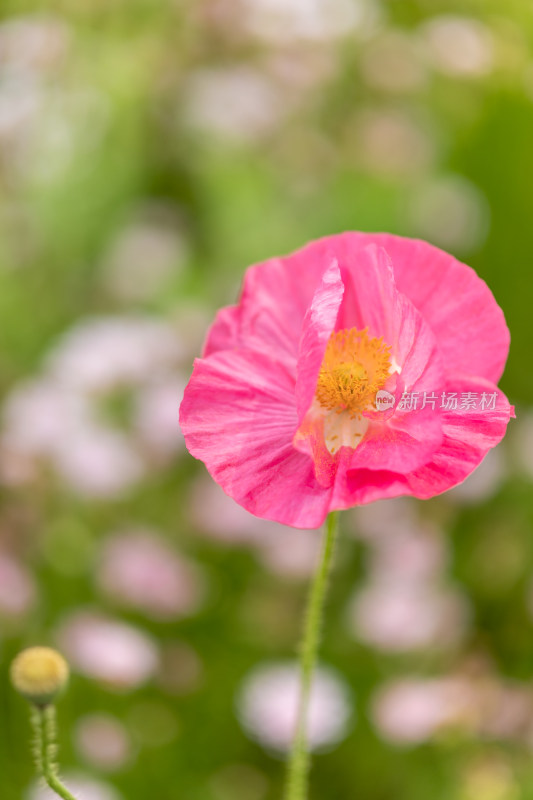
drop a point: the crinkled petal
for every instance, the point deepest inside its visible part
(399, 441)
(275, 298)
(400, 444)
(224, 332)
(318, 325)
(448, 293)
(370, 295)
(360, 486)
(451, 297)
(373, 301)
(468, 435)
(239, 416)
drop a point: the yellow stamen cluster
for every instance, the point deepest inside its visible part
(39, 673)
(354, 368)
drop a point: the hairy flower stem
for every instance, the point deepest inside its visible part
(44, 748)
(299, 761)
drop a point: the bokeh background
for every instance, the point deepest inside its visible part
(150, 151)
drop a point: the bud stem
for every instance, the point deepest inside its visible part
(299, 762)
(44, 729)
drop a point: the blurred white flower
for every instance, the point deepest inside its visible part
(156, 417)
(401, 616)
(413, 555)
(451, 212)
(392, 142)
(18, 591)
(98, 463)
(459, 46)
(218, 516)
(84, 788)
(411, 711)
(405, 605)
(236, 103)
(506, 710)
(302, 69)
(285, 21)
(64, 418)
(70, 125)
(115, 653)
(21, 99)
(101, 353)
(102, 741)
(289, 551)
(145, 254)
(44, 123)
(33, 43)
(384, 518)
(52, 423)
(139, 569)
(267, 706)
(39, 414)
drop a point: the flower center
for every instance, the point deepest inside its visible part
(354, 368)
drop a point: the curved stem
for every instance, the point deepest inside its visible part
(299, 761)
(44, 727)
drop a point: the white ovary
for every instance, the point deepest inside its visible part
(394, 367)
(342, 429)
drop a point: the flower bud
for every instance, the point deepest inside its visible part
(39, 674)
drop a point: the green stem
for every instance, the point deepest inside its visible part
(37, 742)
(44, 728)
(299, 761)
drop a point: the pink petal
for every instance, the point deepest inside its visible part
(309, 439)
(274, 302)
(275, 298)
(372, 300)
(468, 436)
(224, 332)
(318, 324)
(448, 293)
(239, 416)
(397, 441)
(361, 486)
(451, 296)
(400, 444)
(371, 297)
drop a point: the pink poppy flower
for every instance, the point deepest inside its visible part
(360, 367)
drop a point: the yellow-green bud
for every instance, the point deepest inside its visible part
(39, 673)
